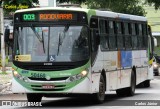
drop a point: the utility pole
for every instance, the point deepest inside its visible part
(2, 39)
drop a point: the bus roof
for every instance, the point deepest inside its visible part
(120, 15)
(53, 8)
(91, 12)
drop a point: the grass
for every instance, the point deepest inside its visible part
(3, 73)
(153, 18)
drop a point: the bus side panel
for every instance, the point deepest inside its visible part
(112, 78)
(124, 78)
(125, 65)
(138, 75)
(95, 82)
(110, 65)
(140, 62)
(144, 65)
(150, 73)
(136, 61)
(97, 67)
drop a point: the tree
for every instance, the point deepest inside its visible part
(122, 6)
(72, 1)
(0, 3)
(156, 3)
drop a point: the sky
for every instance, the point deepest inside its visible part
(43, 2)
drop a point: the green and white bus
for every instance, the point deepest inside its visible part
(60, 51)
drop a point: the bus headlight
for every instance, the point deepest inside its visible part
(78, 76)
(15, 73)
(155, 65)
(19, 76)
(84, 73)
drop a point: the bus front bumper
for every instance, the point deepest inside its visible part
(83, 86)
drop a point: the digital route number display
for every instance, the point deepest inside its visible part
(29, 17)
(49, 17)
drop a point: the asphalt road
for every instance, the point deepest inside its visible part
(147, 98)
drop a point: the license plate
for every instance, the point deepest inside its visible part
(48, 86)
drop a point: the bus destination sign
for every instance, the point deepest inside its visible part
(49, 17)
(44, 17)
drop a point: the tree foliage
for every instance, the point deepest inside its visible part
(156, 3)
(71, 1)
(122, 6)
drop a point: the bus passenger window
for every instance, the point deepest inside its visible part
(111, 27)
(126, 28)
(102, 27)
(140, 29)
(145, 37)
(94, 33)
(128, 42)
(119, 28)
(103, 34)
(134, 36)
(120, 40)
(140, 37)
(112, 37)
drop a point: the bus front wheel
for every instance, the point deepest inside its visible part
(100, 96)
(34, 97)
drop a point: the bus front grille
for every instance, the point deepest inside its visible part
(47, 68)
(51, 79)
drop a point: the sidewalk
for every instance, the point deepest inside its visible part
(5, 80)
(5, 83)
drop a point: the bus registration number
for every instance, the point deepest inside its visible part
(38, 75)
(48, 86)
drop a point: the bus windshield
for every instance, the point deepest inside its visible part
(59, 43)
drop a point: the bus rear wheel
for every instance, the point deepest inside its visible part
(129, 91)
(100, 96)
(146, 83)
(34, 97)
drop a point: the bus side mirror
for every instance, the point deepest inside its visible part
(155, 41)
(6, 35)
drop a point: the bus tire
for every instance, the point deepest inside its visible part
(34, 97)
(100, 96)
(146, 83)
(129, 91)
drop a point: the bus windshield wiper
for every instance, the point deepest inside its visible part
(61, 37)
(39, 37)
(43, 42)
(59, 43)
